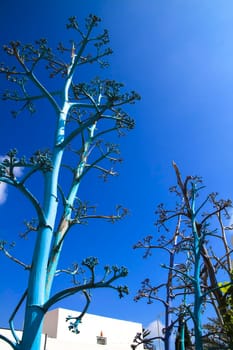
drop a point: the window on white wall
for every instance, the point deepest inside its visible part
(101, 339)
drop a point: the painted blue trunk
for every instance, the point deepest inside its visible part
(32, 330)
(36, 297)
(197, 282)
(89, 103)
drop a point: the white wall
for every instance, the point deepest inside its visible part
(119, 333)
(57, 336)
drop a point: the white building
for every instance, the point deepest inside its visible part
(96, 333)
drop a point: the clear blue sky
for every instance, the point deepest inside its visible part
(178, 55)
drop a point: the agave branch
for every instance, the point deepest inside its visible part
(8, 341)
(95, 165)
(63, 197)
(15, 97)
(93, 20)
(221, 262)
(74, 271)
(15, 51)
(91, 263)
(73, 326)
(11, 319)
(224, 239)
(111, 218)
(27, 195)
(11, 257)
(107, 131)
(83, 126)
(103, 170)
(142, 338)
(96, 58)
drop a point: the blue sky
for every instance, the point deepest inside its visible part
(178, 55)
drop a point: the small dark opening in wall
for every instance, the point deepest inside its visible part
(101, 340)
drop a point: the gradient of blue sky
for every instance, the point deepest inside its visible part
(178, 55)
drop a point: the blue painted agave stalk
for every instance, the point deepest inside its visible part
(198, 298)
(197, 238)
(192, 280)
(169, 323)
(84, 105)
(151, 293)
(204, 280)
